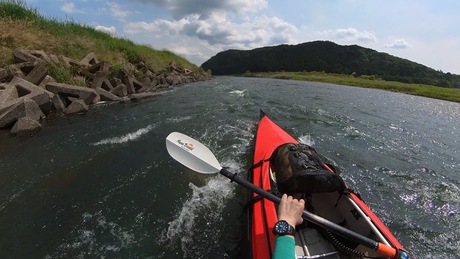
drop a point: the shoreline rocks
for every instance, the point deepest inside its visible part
(28, 93)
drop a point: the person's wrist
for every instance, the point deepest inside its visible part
(288, 235)
(290, 222)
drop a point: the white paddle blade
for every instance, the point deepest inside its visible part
(192, 153)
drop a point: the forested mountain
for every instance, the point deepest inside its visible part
(328, 57)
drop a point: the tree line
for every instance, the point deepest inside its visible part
(331, 58)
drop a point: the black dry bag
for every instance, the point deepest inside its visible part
(299, 169)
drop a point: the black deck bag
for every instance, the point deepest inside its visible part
(299, 169)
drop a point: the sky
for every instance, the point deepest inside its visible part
(423, 31)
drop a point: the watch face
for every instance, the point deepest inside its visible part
(282, 227)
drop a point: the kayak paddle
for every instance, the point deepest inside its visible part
(196, 156)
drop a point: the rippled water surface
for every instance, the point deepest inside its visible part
(102, 185)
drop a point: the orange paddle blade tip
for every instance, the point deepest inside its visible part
(387, 250)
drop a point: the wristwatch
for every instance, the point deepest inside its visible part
(282, 228)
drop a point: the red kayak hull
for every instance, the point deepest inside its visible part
(264, 216)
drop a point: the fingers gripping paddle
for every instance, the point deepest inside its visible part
(199, 158)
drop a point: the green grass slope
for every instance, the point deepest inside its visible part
(24, 27)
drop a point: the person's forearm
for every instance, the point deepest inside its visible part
(284, 247)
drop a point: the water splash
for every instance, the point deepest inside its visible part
(127, 137)
(306, 139)
(95, 236)
(239, 93)
(197, 228)
(352, 131)
(205, 206)
(179, 119)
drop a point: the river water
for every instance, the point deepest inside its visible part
(103, 186)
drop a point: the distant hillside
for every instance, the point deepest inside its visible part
(328, 57)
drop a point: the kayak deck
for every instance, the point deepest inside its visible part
(313, 242)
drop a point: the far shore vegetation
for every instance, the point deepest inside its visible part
(367, 81)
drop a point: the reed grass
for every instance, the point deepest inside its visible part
(448, 94)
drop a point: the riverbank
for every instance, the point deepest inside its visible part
(28, 92)
(448, 94)
(50, 67)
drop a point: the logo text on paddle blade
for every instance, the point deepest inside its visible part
(185, 145)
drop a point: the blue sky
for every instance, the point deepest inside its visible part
(424, 31)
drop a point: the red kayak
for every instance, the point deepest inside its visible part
(324, 192)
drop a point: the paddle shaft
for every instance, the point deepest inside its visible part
(339, 230)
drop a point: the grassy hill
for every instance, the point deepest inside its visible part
(326, 56)
(24, 27)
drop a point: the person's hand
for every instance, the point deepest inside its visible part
(291, 210)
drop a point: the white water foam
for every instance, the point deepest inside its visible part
(94, 237)
(306, 139)
(208, 200)
(179, 119)
(127, 137)
(352, 131)
(239, 93)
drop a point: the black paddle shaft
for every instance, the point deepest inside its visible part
(322, 222)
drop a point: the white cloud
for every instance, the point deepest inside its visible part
(218, 29)
(110, 30)
(201, 28)
(163, 27)
(69, 7)
(398, 44)
(119, 11)
(204, 8)
(197, 39)
(269, 31)
(349, 35)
